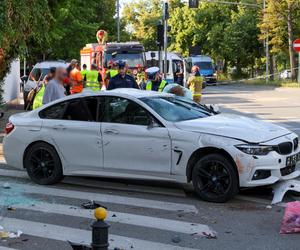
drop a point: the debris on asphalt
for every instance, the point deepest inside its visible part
(291, 218)
(91, 205)
(6, 234)
(281, 188)
(10, 208)
(6, 185)
(114, 215)
(268, 207)
(176, 239)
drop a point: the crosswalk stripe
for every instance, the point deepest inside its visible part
(62, 233)
(115, 199)
(125, 218)
(7, 248)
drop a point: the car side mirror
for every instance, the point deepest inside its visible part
(213, 107)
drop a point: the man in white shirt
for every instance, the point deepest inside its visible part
(55, 88)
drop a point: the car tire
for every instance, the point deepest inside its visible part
(43, 164)
(215, 179)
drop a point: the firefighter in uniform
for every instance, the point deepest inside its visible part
(155, 81)
(93, 79)
(140, 75)
(194, 83)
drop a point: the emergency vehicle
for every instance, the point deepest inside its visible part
(102, 53)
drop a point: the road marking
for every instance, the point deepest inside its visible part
(7, 248)
(62, 233)
(124, 218)
(115, 199)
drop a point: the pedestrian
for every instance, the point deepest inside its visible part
(93, 79)
(38, 99)
(83, 70)
(122, 80)
(179, 74)
(140, 75)
(194, 83)
(55, 88)
(155, 81)
(76, 79)
(111, 72)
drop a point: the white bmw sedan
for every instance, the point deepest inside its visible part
(127, 133)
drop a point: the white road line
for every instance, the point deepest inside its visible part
(62, 233)
(116, 199)
(7, 248)
(125, 218)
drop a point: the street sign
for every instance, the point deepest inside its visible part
(296, 45)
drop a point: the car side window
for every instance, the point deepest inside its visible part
(53, 112)
(76, 111)
(121, 110)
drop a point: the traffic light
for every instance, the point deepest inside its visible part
(160, 35)
(193, 3)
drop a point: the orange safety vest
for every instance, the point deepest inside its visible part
(76, 81)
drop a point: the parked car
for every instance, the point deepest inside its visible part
(286, 74)
(128, 133)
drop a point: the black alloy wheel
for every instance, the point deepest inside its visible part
(43, 164)
(214, 178)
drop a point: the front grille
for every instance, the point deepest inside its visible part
(296, 143)
(284, 148)
(287, 170)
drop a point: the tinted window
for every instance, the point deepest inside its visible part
(132, 58)
(92, 105)
(204, 65)
(176, 109)
(54, 112)
(76, 111)
(120, 110)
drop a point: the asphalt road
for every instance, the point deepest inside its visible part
(154, 215)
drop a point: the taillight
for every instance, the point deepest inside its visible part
(9, 127)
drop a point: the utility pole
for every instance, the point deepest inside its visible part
(166, 17)
(118, 20)
(267, 47)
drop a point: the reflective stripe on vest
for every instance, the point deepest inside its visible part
(38, 100)
(160, 88)
(92, 80)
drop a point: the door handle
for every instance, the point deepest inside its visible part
(59, 127)
(111, 131)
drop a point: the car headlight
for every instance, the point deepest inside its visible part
(215, 74)
(255, 149)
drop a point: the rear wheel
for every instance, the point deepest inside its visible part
(43, 164)
(214, 178)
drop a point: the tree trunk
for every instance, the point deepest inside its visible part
(290, 39)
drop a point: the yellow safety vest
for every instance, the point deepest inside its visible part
(160, 88)
(92, 80)
(38, 99)
(113, 72)
(83, 72)
(195, 85)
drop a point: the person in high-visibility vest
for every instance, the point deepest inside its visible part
(194, 83)
(93, 79)
(155, 81)
(76, 79)
(111, 72)
(84, 70)
(140, 75)
(38, 99)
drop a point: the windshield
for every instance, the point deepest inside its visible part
(175, 109)
(131, 58)
(204, 65)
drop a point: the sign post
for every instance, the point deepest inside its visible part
(296, 46)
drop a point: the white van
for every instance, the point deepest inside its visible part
(152, 59)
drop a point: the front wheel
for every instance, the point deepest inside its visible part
(214, 179)
(43, 164)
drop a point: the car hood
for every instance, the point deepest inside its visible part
(235, 126)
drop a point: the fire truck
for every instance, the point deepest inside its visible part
(102, 52)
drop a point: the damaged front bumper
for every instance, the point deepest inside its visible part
(281, 188)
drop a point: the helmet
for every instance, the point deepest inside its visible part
(151, 72)
(195, 68)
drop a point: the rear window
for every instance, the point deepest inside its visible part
(54, 112)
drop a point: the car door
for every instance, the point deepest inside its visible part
(131, 142)
(76, 133)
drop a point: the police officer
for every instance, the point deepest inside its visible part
(155, 81)
(122, 80)
(93, 79)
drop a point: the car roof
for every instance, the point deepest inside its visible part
(49, 64)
